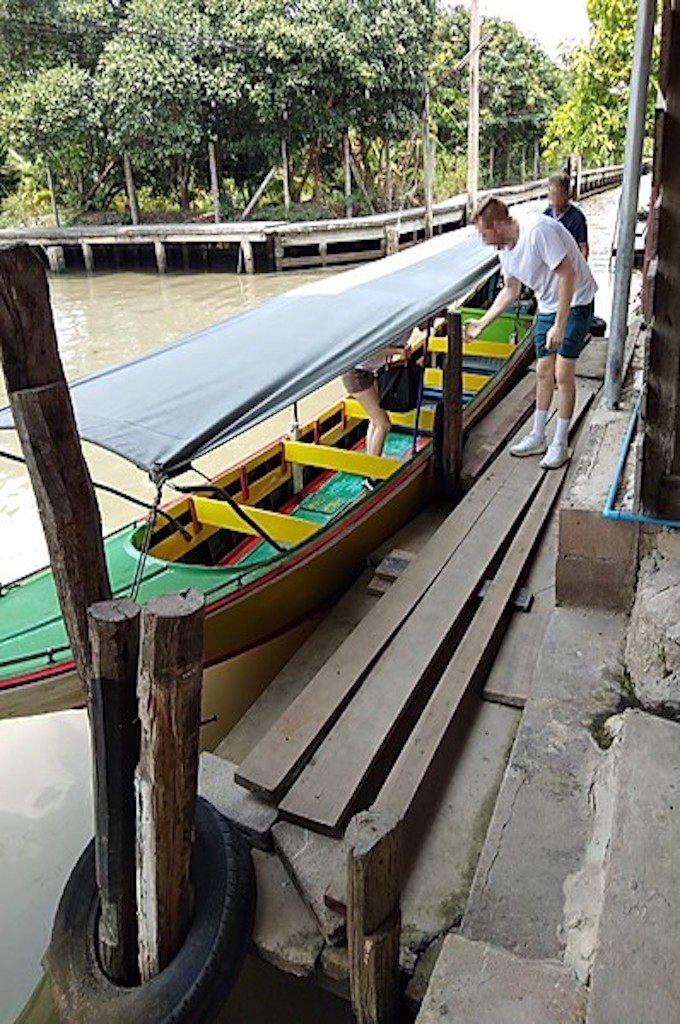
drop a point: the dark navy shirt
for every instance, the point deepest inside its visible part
(573, 220)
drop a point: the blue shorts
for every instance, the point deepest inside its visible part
(575, 333)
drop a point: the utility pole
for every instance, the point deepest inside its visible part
(428, 165)
(473, 110)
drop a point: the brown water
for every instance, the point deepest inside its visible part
(45, 798)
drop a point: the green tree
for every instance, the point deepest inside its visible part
(592, 121)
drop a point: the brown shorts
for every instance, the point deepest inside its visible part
(357, 380)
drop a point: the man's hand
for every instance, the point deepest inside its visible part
(472, 329)
(554, 337)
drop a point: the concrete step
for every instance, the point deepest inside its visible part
(474, 983)
(635, 978)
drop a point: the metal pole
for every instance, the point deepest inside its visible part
(644, 31)
(473, 114)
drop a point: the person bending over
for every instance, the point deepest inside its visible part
(541, 253)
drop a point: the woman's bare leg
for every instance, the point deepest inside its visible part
(378, 420)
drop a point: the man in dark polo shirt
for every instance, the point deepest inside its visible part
(565, 212)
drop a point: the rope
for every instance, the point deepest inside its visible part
(234, 505)
(118, 494)
(144, 552)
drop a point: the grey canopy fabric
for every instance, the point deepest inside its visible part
(165, 408)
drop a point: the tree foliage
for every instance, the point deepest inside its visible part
(83, 82)
(593, 119)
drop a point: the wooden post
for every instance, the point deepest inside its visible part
(53, 196)
(43, 415)
(388, 175)
(88, 256)
(55, 258)
(452, 407)
(537, 158)
(258, 193)
(130, 188)
(391, 239)
(161, 257)
(348, 175)
(373, 841)
(473, 111)
(246, 256)
(214, 180)
(428, 166)
(114, 634)
(169, 690)
(285, 174)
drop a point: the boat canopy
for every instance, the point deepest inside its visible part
(165, 408)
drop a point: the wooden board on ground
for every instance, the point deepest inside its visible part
(276, 760)
(509, 680)
(491, 435)
(469, 665)
(324, 795)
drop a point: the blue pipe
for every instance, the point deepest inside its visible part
(609, 512)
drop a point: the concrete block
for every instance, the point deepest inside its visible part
(635, 977)
(477, 984)
(544, 820)
(585, 533)
(253, 815)
(285, 933)
(595, 583)
(311, 859)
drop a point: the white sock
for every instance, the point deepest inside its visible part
(540, 420)
(562, 431)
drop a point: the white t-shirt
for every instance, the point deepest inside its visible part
(542, 245)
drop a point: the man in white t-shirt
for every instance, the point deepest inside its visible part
(541, 253)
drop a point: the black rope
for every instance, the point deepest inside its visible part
(239, 509)
(119, 494)
(144, 551)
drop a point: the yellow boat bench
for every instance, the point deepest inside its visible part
(280, 527)
(398, 419)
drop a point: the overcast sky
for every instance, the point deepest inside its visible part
(550, 23)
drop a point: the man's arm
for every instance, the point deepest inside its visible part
(565, 292)
(508, 294)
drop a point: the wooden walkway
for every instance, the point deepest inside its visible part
(387, 714)
(265, 245)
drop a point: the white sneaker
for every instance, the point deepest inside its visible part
(556, 456)
(532, 444)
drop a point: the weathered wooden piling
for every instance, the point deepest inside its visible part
(43, 415)
(114, 633)
(169, 691)
(452, 407)
(373, 841)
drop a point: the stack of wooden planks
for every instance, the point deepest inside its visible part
(369, 727)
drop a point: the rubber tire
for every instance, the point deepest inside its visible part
(195, 985)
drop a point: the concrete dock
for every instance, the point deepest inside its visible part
(544, 886)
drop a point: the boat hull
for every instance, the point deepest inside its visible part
(299, 584)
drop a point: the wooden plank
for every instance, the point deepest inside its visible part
(398, 419)
(323, 796)
(280, 527)
(324, 456)
(510, 676)
(467, 669)
(471, 381)
(496, 428)
(480, 347)
(275, 760)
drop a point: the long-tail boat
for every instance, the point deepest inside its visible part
(270, 539)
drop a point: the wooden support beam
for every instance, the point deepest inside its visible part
(341, 459)
(452, 407)
(373, 842)
(170, 676)
(114, 633)
(43, 415)
(277, 525)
